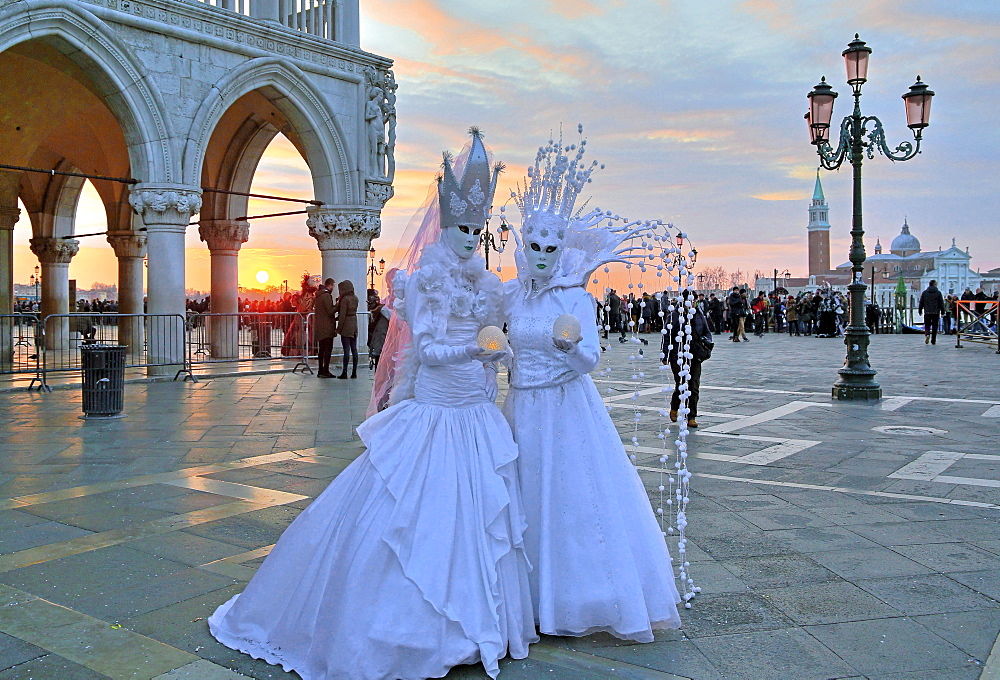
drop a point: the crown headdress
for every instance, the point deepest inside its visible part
(468, 202)
(551, 189)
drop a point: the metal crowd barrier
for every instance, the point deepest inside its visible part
(249, 336)
(19, 336)
(150, 339)
(337, 348)
(977, 326)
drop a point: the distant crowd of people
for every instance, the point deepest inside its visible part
(822, 313)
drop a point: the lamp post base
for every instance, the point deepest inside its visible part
(857, 385)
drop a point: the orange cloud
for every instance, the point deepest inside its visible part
(780, 196)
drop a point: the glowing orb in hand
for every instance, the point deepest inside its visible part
(492, 339)
(566, 327)
(262, 277)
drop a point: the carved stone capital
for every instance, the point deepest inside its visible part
(128, 243)
(224, 234)
(344, 228)
(165, 204)
(8, 217)
(377, 194)
(54, 250)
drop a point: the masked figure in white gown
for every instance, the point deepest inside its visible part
(600, 559)
(411, 561)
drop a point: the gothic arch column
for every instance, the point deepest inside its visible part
(130, 248)
(224, 239)
(165, 210)
(54, 255)
(8, 218)
(344, 235)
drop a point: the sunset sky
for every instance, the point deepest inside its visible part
(695, 107)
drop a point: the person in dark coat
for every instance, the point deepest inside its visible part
(378, 326)
(931, 305)
(347, 325)
(668, 351)
(324, 325)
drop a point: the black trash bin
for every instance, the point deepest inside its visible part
(103, 380)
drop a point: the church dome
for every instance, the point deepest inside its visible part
(906, 243)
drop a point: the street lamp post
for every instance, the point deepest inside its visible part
(488, 242)
(778, 273)
(374, 271)
(860, 135)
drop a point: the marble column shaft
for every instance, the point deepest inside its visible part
(165, 210)
(8, 218)
(130, 248)
(54, 255)
(224, 239)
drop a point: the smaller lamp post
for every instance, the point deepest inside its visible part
(374, 271)
(784, 274)
(488, 242)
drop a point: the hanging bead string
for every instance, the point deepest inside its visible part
(666, 252)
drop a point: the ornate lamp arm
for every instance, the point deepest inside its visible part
(830, 159)
(876, 139)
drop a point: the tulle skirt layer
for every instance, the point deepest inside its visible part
(600, 560)
(409, 563)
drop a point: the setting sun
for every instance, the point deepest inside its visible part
(262, 277)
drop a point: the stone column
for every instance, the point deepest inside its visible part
(266, 10)
(8, 218)
(165, 209)
(54, 255)
(344, 235)
(130, 247)
(224, 239)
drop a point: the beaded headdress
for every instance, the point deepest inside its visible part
(467, 203)
(551, 189)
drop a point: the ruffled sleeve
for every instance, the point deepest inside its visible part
(587, 354)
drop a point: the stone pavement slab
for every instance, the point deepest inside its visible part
(829, 539)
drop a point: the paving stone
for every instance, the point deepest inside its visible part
(882, 646)
(714, 615)
(869, 563)
(42, 533)
(14, 651)
(762, 573)
(790, 517)
(985, 582)
(932, 594)
(902, 533)
(51, 667)
(251, 530)
(679, 657)
(951, 557)
(778, 654)
(819, 539)
(974, 632)
(831, 602)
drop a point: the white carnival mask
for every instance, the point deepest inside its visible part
(463, 240)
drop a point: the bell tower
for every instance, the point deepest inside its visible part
(819, 232)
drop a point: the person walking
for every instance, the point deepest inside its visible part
(325, 324)
(792, 316)
(931, 305)
(701, 346)
(347, 326)
(378, 326)
(738, 314)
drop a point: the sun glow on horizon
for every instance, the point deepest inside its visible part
(262, 276)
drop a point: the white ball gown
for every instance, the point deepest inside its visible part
(411, 561)
(600, 560)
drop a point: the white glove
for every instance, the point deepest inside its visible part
(565, 345)
(486, 356)
(492, 389)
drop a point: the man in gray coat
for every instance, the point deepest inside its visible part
(324, 327)
(931, 306)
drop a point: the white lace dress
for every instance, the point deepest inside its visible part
(600, 561)
(411, 561)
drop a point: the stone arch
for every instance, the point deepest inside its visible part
(290, 91)
(120, 79)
